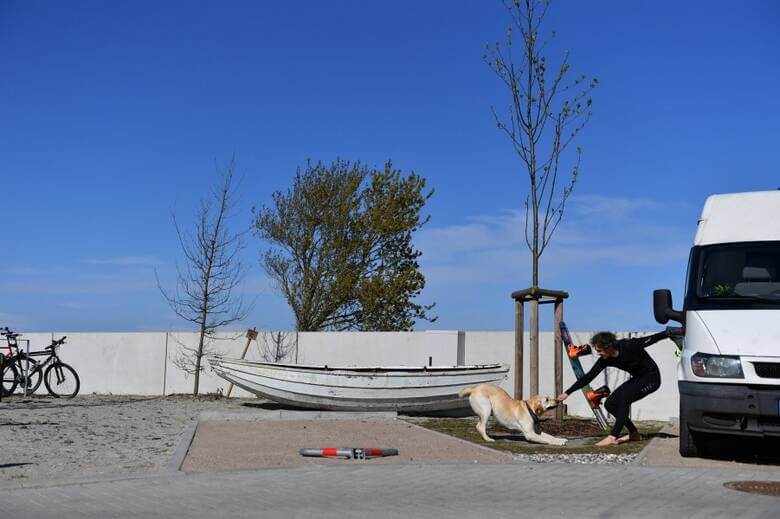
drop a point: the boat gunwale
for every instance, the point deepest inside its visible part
(331, 379)
(360, 370)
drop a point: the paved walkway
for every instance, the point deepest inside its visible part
(551, 490)
(241, 445)
(666, 452)
(744, 453)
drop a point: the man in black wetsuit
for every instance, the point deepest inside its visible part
(628, 355)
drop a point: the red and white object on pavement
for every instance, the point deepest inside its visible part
(349, 452)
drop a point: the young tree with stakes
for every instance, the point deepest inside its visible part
(205, 289)
(547, 111)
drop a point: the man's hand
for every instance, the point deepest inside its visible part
(562, 397)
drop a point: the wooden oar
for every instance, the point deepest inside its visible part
(251, 335)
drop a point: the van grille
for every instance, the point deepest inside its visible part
(767, 369)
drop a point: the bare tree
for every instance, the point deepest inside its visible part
(205, 293)
(276, 346)
(547, 111)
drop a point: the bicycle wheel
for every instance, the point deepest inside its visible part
(9, 378)
(61, 380)
(34, 375)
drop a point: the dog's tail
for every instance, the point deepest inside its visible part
(465, 391)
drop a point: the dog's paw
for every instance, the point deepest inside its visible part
(489, 439)
(561, 442)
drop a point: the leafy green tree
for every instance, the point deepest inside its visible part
(341, 248)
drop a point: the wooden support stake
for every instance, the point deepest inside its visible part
(251, 335)
(558, 357)
(519, 349)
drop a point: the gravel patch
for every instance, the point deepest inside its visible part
(95, 435)
(592, 459)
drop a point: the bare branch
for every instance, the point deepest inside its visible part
(547, 112)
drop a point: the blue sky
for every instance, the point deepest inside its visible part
(114, 114)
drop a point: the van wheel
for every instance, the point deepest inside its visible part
(688, 446)
(691, 443)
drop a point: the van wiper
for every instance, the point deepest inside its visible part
(765, 298)
(768, 297)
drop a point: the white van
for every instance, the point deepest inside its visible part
(729, 374)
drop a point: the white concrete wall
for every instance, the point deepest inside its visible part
(142, 363)
(439, 348)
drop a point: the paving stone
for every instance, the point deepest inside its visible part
(405, 490)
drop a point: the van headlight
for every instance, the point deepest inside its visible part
(716, 366)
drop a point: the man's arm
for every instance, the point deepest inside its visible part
(597, 368)
(652, 339)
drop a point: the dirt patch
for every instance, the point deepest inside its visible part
(568, 428)
(232, 445)
(582, 435)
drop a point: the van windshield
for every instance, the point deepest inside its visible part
(737, 274)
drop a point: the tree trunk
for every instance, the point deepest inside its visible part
(198, 357)
(534, 325)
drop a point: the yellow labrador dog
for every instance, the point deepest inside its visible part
(521, 415)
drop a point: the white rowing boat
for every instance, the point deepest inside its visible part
(397, 388)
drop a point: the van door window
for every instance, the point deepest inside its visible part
(740, 271)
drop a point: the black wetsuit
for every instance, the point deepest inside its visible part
(645, 378)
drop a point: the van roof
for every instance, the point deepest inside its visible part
(740, 217)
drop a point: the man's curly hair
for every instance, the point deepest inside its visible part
(604, 340)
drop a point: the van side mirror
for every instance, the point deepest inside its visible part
(662, 307)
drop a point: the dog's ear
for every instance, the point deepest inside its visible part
(535, 403)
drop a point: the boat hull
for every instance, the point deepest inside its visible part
(401, 389)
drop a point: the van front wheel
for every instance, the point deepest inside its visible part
(690, 445)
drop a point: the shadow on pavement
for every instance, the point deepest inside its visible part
(9, 465)
(757, 451)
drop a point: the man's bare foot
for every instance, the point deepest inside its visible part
(630, 437)
(606, 442)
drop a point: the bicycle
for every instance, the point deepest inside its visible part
(8, 378)
(2, 370)
(16, 364)
(61, 380)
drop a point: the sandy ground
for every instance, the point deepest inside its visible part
(222, 445)
(93, 435)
